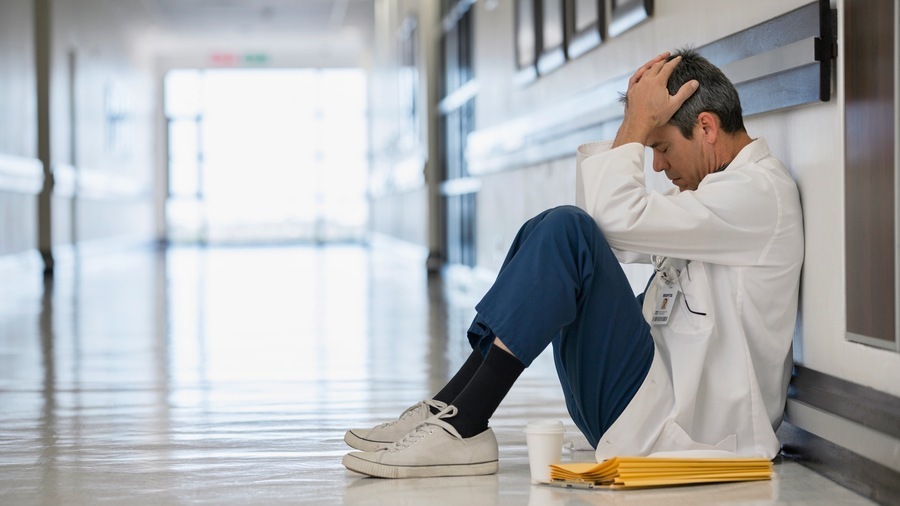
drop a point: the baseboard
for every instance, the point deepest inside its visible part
(848, 469)
(845, 432)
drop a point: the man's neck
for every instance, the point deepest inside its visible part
(731, 145)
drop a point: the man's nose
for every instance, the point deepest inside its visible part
(659, 163)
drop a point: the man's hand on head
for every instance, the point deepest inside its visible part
(649, 104)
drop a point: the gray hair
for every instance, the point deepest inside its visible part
(716, 94)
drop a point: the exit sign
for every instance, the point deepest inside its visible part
(226, 59)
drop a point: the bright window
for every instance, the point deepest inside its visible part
(267, 155)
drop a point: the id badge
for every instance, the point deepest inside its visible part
(665, 301)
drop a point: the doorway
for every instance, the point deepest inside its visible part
(266, 155)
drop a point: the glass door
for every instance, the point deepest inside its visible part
(267, 155)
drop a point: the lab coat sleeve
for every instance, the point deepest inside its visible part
(631, 257)
(730, 219)
(584, 152)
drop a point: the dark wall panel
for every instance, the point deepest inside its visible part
(869, 177)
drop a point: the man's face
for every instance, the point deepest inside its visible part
(685, 161)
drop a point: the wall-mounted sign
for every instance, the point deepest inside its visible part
(230, 59)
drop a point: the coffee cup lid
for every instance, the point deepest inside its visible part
(544, 427)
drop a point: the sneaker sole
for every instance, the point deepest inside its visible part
(377, 470)
(366, 445)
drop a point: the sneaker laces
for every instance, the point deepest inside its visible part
(426, 428)
(413, 410)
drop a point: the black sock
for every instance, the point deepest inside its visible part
(481, 397)
(459, 381)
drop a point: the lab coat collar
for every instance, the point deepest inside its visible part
(752, 153)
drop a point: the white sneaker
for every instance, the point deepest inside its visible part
(382, 436)
(434, 448)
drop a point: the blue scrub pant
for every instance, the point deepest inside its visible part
(561, 284)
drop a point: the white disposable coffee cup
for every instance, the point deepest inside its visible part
(545, 440)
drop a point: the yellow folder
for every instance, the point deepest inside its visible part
(634, 472)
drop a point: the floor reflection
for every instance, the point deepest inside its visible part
(229, 375)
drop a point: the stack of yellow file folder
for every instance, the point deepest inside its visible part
(636, 472)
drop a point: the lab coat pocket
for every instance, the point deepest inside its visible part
(694, 312)
(674, 439)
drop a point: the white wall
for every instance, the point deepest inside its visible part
(113, 159)
(112, 180)
(400, 156)
(20, 171)
(18, 128)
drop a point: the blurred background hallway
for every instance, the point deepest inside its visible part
(231, 229)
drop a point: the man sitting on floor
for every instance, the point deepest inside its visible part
(700, 361)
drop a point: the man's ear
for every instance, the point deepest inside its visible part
(709, 126)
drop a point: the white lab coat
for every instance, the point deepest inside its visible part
(718, 382)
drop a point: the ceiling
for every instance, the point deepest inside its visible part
(290, 33)
(304, 18)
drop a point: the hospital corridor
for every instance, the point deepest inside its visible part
(233, 230)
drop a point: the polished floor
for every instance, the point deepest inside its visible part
(229, 375)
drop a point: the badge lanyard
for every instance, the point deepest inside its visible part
(668, 294)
